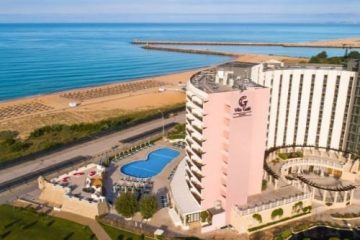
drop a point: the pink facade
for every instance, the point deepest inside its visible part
(235, 129)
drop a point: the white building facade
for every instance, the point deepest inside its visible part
(310, 105)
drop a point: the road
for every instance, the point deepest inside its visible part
(90, 148)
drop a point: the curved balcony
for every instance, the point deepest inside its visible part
(199, 142)
(197, 152)
(188, 131)
(189, 163)
(189, 141)
(198, 130)
(189, 153)
(188, 184)
(197, 175)
(196, 196)
(197, 186)
(197, 164)
(197, 116)
(197, 103)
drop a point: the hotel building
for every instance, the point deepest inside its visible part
(237, 112)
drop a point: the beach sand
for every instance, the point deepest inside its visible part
(348, 42)
(26, 114)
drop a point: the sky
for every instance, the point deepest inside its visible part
(165, 11)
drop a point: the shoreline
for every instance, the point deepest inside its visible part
(104, 101)
(100, 85)
(336, 43)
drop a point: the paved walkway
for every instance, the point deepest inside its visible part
(93, 224)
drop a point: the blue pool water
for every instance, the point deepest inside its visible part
(152, 166)
(44, 58)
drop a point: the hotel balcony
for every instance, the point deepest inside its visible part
(188, 184)
(195, 169)
(196, 196)
(189, 141)
(188, 97)
(188, 132)
(197, 152)
(198, 116)
(198, 176)
(198, 103)
(189, 163)
(197, 164)
(188, 111)
(188, 173)
(199, 142)
(197, 186)
(189, 153)
(198, 130)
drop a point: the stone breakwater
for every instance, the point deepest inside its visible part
(321, 44)
(193, 51)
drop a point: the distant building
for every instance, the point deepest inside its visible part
(237, 112)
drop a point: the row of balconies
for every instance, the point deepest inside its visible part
(193, 182)
(198, 103)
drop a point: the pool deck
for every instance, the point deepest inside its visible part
(161, 181)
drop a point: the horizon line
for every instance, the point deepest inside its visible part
(175, 22)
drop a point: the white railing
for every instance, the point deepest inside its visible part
(246, 210)
(312, 161)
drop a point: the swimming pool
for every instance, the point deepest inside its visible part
(152, 166)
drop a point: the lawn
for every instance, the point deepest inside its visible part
(118, 234)
(19, 223)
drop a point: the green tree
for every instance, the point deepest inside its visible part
(126, 204)
(148, 206)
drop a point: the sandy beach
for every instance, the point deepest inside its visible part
(346, 42)
(102, 102)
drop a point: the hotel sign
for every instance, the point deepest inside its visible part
(243, 109)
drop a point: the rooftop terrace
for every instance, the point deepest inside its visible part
(85, 182)
(237, 78)
(271, 196)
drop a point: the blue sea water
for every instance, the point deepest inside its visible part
(44, 58)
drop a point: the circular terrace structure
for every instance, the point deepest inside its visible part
(330, 176)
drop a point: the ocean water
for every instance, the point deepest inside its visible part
(44, 58)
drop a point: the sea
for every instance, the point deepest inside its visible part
(37, 59)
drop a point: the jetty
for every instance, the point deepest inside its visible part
(192, 51)
(324, 44)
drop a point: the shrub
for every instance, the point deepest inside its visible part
(307, 209)
(322, 57)
(178, 132)
(297, 206)
(283, 156)
(285, 234)
(204, 215)
(277, 213)
(257, 217)
(126, 204)
(148, 206)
